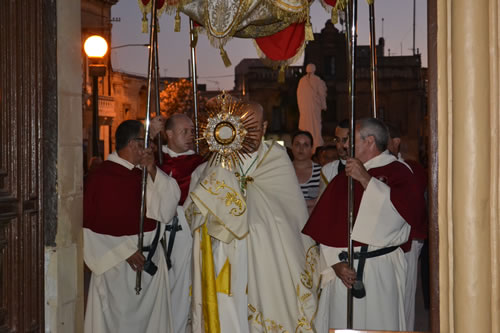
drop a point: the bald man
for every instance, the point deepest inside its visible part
(253, 270)
(179, 162)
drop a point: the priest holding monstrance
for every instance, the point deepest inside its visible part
(386, 205)
(253, 269)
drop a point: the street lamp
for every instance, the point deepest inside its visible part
(95, 47)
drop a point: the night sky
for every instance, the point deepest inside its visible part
(174, 49)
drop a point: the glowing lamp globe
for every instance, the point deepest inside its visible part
(95, 47)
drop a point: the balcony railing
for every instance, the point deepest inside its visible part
(106, 106)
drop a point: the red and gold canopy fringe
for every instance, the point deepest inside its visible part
(279, 28)
(334, 6)
(145, 7)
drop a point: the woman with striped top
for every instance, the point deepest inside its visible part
(308, 172)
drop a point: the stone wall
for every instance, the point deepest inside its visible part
(64, 261)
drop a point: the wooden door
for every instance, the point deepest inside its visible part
(23, 78)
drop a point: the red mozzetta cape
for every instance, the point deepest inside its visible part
(328, 221)
(180, 168)
(112, 201)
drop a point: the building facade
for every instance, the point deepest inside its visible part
(401, 84)
(401, 88)
(258, 82)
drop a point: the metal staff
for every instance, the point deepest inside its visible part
(157, 91)
(352, 93)
(152, 32)
(373, 62)
(348, 34)
(194, 80)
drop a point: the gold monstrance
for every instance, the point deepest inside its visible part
(228, 131)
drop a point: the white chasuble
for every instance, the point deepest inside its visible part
(273, 273)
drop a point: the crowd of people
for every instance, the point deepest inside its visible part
(261, 247)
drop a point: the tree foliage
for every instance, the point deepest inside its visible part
(177, 97)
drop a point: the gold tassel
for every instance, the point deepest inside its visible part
(308, 29)
(177, 25)
(144, 23)
(370, 2)
(194, 42)
(309, 32)
(157, 25)
(281, 74)
(224, 56)
(335, 16)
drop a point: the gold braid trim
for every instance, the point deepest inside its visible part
(216, 219)
(222, 38)
(214, 41)
(339, 5)
(277, 63)
(307, 279)
(145, 8)
(256, 318)
(256, 31)
(283, 18)
(289, 15)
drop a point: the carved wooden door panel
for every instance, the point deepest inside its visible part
(21, 219)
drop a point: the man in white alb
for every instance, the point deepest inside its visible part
(112, 207)
(179, 161)
(385, 193)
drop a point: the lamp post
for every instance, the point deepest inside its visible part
(95, 47)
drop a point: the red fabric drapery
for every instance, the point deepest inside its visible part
(284, 44)
(331, 2)
(159, 3)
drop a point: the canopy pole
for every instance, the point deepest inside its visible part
(156, 67)
(140, 241)
(194, 81)
(352, 93)
(373, 62)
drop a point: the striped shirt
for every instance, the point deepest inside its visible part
(310, 189)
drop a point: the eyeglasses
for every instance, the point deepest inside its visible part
(142, 140)
(343, 140)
